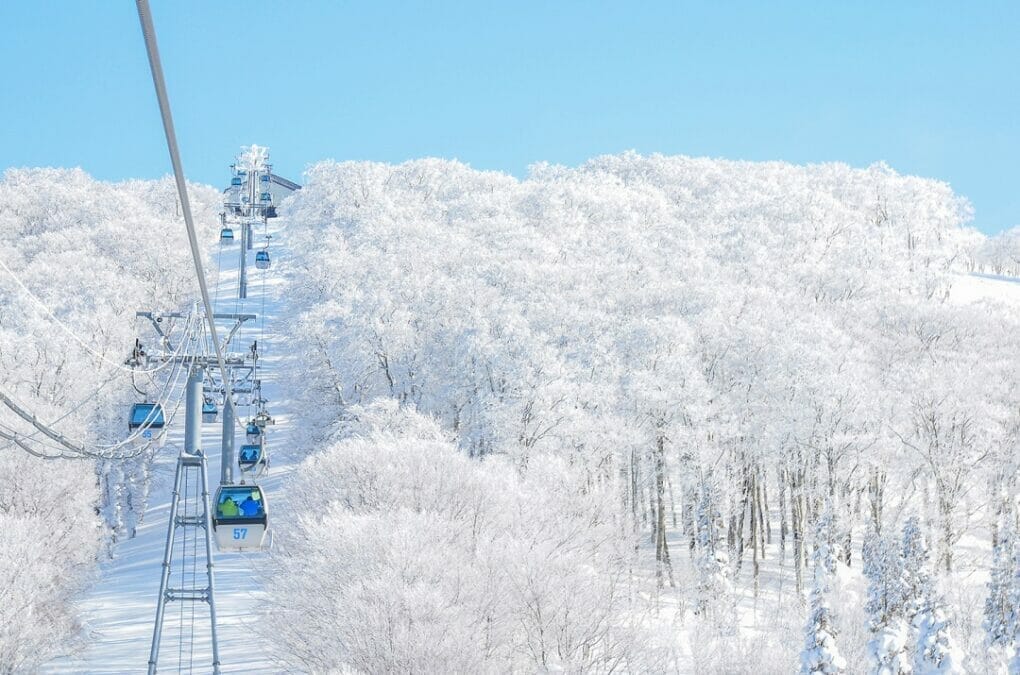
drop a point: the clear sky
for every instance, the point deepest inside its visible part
(932, 88)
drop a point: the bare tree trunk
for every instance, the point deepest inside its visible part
(626, 513)
(634, 490)
(797, 521)
(690, 520)
(753, 489)
(845, 552)
(783, 524)
(731, 531)
(662, 561)
(653, 518)
(744, 507)
(948, 531)
(672, 502)
(876, 488)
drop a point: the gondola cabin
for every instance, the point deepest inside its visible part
(264, 178)
(270, 212)
(265, 196)
(209, 411)
(226, 235)
(252, 457)
(235, 181)
(240, 517)
(150, 421)
(262, 261)
(253, 432)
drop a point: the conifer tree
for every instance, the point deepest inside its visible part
(916, 569)
(1000, 608)
(887, 589)
(821, 654)
(1014, 663)
(936, 652)
(714, 589)
(924, 607)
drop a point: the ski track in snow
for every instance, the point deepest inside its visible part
(119, 609)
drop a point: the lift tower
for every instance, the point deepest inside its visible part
(190, 467)
(190, 504)
(252, 202)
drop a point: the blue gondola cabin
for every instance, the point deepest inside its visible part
(240, 518)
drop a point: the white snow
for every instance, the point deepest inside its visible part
(976, 287)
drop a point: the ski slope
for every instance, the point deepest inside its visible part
(978, 287)
(118, 611)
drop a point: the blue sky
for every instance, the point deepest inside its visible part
(933, 88)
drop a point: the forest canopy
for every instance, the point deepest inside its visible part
(739, 365)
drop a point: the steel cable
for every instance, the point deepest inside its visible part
(156, 68)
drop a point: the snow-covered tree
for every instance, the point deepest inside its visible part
(713, 594)
(1014, 662)
(1002, 613)
(528, 576)
(936, 651)
(789, 331)
(1002, 604)
(886, 606)
(917, 576)
(821, 654)
(81, 257)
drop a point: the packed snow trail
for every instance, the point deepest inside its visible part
(119, 609)
(969, 288)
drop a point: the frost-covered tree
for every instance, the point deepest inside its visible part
(1002, 613)
(713, 592)
(998, 254)
(793, 332)
(886, 606)
(821, 654)
(527, 576)
(1014, 663)
(936, 651)
(1002, 604)
(917, 576)
(81, 257)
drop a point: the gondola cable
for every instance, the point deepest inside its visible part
(91, 396)
(79, 447)
(156, 68)
(63, 327)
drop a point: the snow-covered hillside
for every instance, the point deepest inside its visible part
(731, 367)
(650, 414)
(80, 257)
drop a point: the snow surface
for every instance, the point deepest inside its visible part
(976, 287)
(118, 611)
